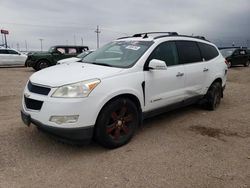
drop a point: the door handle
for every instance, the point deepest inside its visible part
(205, 69)
(179, 74)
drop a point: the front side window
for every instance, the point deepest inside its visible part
(122, 54)
(189, 52)
(12, 52)
(61, 50)
(166, 52)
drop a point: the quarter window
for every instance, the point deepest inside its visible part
(166, 52)
(189, 52)
(207, 51)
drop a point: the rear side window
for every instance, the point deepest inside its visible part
(166, 52)
(72, 51)
(207, 51)
(189, 52)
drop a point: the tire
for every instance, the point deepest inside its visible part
(41, 65)
(213, 96)
(247, 63)
(117, 123)
(229, 64)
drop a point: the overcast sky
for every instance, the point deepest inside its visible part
(69, 21)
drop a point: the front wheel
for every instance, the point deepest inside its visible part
(213, 96)
(42, 64)
(117, 123)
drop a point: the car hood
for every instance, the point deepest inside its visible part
(38, 53)
(69, 60)
(71, 73)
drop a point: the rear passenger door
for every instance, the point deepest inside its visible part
(164, 87)
(195, 67)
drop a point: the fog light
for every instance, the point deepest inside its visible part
(64, 119)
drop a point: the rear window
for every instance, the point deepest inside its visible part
(207, 51)
(189, 52)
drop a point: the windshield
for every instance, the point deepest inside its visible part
(51, 49)
(227, 52)
(121, 54)
(83, 54)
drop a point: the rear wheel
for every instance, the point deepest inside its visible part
(229, 64)
(117, 123)
(42, 64)
(213, 96)
(247, 63)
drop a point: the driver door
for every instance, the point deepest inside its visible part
(164, 87)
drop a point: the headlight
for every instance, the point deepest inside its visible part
(76, 90)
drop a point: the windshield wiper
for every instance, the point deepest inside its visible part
(103, 64)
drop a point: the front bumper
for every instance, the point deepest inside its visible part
(76, 135)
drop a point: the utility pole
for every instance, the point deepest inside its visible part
(18, 46)
(97, 31)
(82, 40)
(41, 40)
(75, 40)
(26, 46)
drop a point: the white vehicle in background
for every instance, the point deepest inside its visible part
(75, 59)
(11, 57)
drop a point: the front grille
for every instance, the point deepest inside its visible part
(38, 89)
(33, 104)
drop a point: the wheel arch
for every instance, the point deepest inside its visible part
(218, 79)
(130, 96)
(43, 59)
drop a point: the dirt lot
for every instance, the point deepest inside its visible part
(190, 147)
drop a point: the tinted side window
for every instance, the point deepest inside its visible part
(4, 52)
(62, 50)
(207, 51)
(189, 52)
(72, 50)
(166, 52)
(12, 52)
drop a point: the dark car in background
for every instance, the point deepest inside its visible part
(236, 56)
(40, 60)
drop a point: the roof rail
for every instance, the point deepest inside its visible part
(147, 33)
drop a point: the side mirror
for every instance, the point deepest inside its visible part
(156, 64)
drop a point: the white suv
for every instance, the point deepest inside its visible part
(108, 95)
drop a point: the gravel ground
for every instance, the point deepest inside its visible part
(189, 147)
